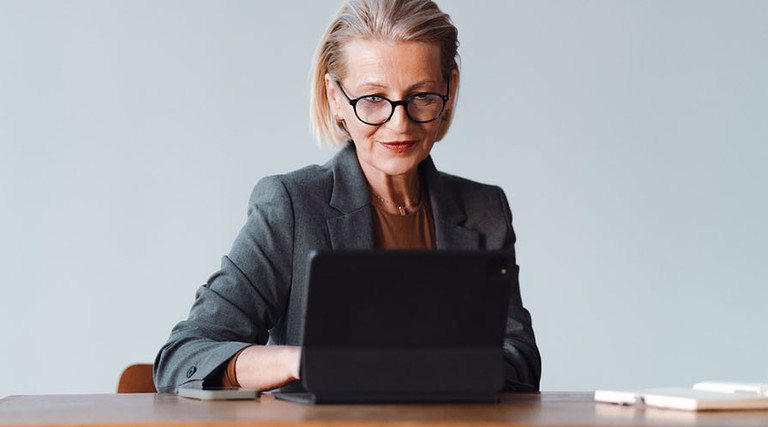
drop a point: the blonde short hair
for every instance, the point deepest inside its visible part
(388, 20)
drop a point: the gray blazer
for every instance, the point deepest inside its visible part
(257, 297)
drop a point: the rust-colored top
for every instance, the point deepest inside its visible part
(415, 230)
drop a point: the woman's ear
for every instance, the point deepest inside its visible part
(454, 86)
(332, 93)
(448, 110)
(447, 115)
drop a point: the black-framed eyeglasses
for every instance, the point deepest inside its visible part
(376, 110)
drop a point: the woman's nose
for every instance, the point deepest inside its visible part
(399, 119)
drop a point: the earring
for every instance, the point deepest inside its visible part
(341, 123)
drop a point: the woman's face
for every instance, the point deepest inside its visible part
(396, 71)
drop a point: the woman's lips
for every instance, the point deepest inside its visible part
(399, 146)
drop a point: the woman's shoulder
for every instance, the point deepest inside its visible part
(309, 179)
(308, 176)
(461, 183)
(314, 181)
(479, 201)
(468, 190)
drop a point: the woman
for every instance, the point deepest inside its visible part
(384, 85)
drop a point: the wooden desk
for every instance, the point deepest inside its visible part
(529, 409)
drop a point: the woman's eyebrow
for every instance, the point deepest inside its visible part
(373, 85)
(378, 86)
(421, 84)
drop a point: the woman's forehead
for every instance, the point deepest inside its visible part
(387, 63)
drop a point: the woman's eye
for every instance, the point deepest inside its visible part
(374, 99)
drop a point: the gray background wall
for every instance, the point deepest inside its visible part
(630, 137)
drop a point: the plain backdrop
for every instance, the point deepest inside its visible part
(631, 138)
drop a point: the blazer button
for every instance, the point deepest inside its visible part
(191, 372)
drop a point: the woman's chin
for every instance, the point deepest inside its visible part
(395, 167)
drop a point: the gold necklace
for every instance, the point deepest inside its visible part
(400, 209)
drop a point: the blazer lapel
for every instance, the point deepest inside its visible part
(353, 228)
(450, 232)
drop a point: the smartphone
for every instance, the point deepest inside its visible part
(219, 393)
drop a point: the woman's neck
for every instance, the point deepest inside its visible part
(397, 194)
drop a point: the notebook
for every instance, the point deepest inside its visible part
(405, 326)
(708, 395)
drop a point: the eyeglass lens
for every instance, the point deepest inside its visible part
(423, 107)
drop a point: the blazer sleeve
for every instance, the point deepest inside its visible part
(522, 362)
(240, 302)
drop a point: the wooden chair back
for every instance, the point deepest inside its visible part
(137, 379)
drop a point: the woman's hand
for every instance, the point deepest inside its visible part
(266, 367)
